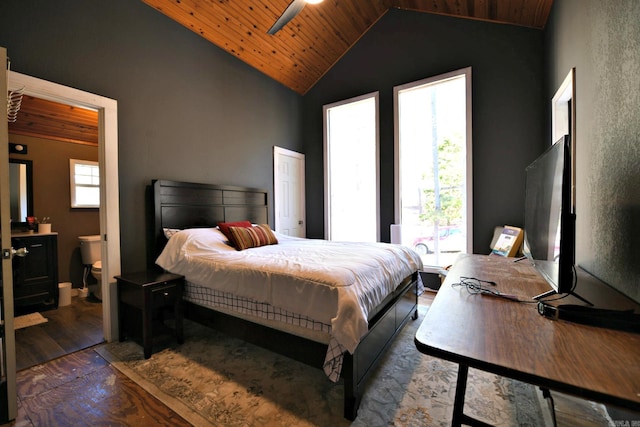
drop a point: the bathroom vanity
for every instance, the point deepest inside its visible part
(35, 275)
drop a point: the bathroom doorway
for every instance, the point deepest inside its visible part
(109, 209)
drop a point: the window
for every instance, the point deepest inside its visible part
(433, 166)
(85, 184)
(351, 169)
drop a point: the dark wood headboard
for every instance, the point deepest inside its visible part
(190, 205)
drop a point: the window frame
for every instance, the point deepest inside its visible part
(466, 72)
(327, 167)
(73, 185)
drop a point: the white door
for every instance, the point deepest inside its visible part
(289, 192)
(8, 399)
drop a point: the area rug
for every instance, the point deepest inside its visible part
(216, 380)
(27, 320)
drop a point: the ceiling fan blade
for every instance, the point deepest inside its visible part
(294, 8)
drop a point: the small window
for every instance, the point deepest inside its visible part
(85, 183)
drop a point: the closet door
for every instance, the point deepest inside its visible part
(8, 399)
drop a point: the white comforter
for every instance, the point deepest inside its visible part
(336, 283)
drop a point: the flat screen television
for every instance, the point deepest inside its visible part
(549, 218)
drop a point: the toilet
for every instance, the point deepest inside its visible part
(90, 249)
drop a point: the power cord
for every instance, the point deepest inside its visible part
(474, 286)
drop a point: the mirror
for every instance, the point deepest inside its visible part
(21, 189)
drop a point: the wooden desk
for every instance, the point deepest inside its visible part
(511, 339)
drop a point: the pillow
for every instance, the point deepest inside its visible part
(224, 227)
(252, 237)
(168, 232)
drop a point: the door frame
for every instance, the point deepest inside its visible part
(8, 397)
(277, 193)
(109, 192)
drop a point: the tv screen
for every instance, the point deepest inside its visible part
(549, 222)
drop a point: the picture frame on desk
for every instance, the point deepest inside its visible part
(509, 242)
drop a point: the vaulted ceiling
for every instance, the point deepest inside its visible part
(309, 45)
(297, 56)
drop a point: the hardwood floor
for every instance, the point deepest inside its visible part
(83, 389)
(70, 328)
(63, 381)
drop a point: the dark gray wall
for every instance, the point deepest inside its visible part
(602, 41)
(187, 110)
(508, 114)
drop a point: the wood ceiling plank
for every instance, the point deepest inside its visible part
(481, 9)
(301, 37)
(63, 138)
(52, 128)
(51, 120)
(311, 33)
(360, 15)
(504, 10)
(50, 110)
(542, 11)
(456, 8)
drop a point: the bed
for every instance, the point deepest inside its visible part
(331, 315)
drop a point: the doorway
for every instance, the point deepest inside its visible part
(108, 158)
(109, 204)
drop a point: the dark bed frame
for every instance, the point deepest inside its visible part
(189, 205)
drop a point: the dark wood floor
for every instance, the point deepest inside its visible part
(69, 329)
(83, 389)
(63, 381)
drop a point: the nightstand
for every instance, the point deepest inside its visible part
(149, 293)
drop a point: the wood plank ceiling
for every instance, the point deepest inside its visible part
(41, 118)
(309, 45)
(297, 56)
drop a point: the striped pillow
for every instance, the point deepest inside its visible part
(224, 227)
(253, 237)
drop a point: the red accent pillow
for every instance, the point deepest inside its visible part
(224, 227)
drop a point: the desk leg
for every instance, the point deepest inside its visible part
(458, 402)
(459, 418)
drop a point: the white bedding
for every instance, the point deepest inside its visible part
(333, 282)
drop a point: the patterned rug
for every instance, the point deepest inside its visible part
(215, 380)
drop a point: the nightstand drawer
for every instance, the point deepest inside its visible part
(164, 296)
